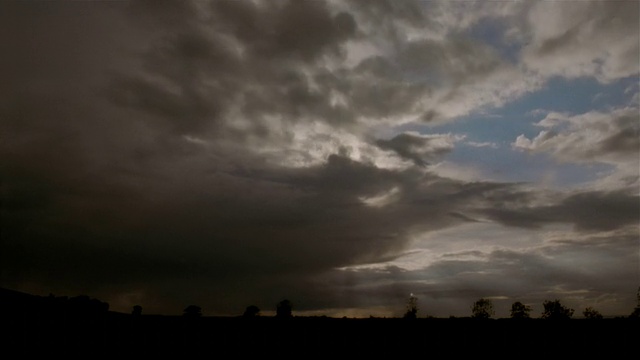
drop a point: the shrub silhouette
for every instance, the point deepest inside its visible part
(591, 313)
(251, 311)
(192, 311)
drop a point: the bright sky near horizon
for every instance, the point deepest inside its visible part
(340, 154)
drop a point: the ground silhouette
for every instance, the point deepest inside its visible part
(37, 325)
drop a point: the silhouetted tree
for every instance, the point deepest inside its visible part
(482, 309)
(193, 311)
(412, 308)
(251, 311)
(137, 310)
(554, 310)
(636, 311)
(283, 309)
(591, 313)
(520, 310)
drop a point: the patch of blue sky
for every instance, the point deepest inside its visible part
(577, 96)
(573, 96)
(617, 94)
(503, 125)
(506, 165)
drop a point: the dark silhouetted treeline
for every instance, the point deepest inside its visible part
(84, 326)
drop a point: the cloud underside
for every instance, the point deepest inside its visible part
(180, 150)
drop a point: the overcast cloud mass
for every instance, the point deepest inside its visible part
(338, 154)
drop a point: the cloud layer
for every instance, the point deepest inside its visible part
(230, 153)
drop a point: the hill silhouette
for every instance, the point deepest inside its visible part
(84, 326)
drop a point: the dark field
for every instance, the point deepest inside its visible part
(40, 325)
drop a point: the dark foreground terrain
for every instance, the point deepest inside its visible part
(85, 327)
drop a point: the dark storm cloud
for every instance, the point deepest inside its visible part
(216, 229)
(601, 210)
(419, 149)
(96, 209)
(242, 59)
(301, 30)
(256, 60)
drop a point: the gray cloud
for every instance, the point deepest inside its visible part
(625, 138)
(583, 271)
(290, 29)
(462, 60)
(587, 211)
(570, 43)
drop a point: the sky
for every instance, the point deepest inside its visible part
(339, 154)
